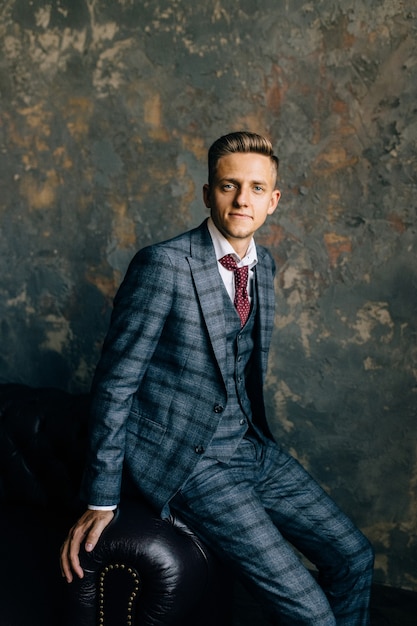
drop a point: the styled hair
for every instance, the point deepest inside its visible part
(241, 141)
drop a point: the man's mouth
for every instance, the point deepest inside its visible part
(240, 215)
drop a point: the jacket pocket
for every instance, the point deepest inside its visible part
(140, 428)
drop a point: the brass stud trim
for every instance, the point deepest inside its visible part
(131, 599)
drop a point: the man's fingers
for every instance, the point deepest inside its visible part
(96, 529)
(70, 562)
(88, 528)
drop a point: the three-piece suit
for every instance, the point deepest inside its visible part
(178, 406)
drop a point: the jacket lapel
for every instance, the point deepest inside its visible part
(207, 279)
(266, 305)
(203, 265)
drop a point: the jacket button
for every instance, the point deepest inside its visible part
(218, 408)
(199, 449)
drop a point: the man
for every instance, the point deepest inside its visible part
(178, 405)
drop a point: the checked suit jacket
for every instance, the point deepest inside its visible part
(159, 389)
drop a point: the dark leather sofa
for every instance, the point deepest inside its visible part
(143, 572)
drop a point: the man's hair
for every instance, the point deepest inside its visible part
(239, 142)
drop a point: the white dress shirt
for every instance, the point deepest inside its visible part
(223, 247)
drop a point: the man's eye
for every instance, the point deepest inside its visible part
(258, 188)
(228, 186)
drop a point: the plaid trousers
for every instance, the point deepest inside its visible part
(251, 508)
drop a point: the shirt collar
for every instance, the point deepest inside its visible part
(223, 247)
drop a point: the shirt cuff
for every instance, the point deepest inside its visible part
(94, 507)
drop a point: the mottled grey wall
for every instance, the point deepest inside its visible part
(107, 110)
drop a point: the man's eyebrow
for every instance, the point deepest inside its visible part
(235, 181)
(229, 178)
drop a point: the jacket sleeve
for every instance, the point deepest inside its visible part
(141, 307)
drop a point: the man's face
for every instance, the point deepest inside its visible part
(241, 197)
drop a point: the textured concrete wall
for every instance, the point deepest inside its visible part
(107, 110)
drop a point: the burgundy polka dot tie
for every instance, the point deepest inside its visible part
(241, 301)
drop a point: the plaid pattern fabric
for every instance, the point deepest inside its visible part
(248, 511)
(237, 416)
(158, 396)
(159, 388)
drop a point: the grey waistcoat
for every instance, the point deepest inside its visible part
(237, 417)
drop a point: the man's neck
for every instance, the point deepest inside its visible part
(227, 246)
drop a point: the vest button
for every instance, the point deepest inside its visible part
(199, 449)
(242, 422)
(218, 408)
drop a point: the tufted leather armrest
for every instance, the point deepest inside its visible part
(143, 572)
(158, 572)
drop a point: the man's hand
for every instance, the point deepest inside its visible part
(88, 529)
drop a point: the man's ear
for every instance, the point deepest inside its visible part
(206, 195)
(276, 194)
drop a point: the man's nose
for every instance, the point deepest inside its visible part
(242, 197)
